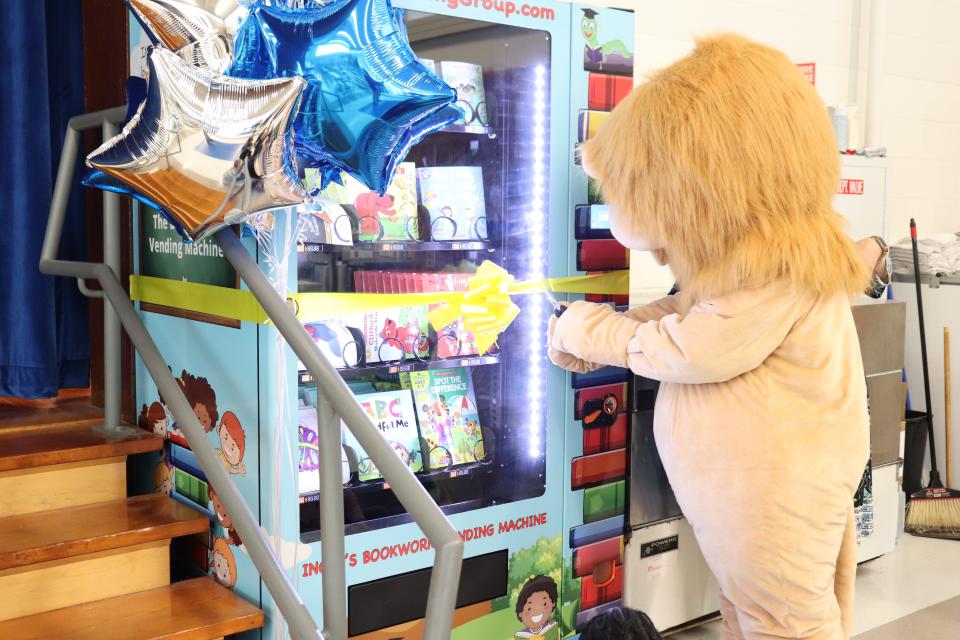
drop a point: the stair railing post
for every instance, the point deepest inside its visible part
(299, 620)
(111, 324)
(331, 521)
(445, 579)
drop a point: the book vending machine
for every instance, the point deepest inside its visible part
(528, 462)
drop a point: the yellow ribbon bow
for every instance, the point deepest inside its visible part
(486, 307)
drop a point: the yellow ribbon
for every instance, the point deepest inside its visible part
(486, 307)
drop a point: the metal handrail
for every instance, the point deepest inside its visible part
(333, 395)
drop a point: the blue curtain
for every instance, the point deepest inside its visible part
(44, 332)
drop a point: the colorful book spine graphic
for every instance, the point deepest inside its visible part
(611, 396)
(587, 557)
(588, 123)
(191, 487)
(613, 436)
(594, 593)
(603, 375)
(183, 458)
(584, 534)
(605, 91)
(602, 255)
(605, 501)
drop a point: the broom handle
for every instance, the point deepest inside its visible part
(934, 472)
(946, 399)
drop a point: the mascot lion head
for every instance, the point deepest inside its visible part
(726, 162)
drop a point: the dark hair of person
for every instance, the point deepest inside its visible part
(621, 624)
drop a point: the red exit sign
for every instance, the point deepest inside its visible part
(850, 187)
(809, 71)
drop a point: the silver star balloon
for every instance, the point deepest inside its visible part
(206, 150)
(200, 31)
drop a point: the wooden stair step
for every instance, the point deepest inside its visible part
(63, 533)
(21, 449)
(198, 609)
(62, 412)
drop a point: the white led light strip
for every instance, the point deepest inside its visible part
(536, 255)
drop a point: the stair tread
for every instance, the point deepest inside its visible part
(62, 533)
(62, 412)
(197, 609)
(58, 445)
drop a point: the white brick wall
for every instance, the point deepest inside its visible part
(921, 92)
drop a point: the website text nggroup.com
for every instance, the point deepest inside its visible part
(506, 7)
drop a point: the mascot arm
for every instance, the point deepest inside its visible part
(563, 359)
(715, 341)
(653, 311)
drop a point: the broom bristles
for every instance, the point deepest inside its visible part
(934, 513)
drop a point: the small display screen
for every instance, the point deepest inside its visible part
(599, 216)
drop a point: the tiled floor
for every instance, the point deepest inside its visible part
(920, 573)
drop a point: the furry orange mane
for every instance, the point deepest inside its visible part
(728, 161)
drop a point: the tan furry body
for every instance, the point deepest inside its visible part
(724, 164)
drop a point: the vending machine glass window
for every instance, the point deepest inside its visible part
(471, 425)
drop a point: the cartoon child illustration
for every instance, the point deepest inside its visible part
(232, 444)
(162, 481)
(225, 521)
(595, 53)
(157, 419)
(202, 398)
(535, 605)
(224, 564)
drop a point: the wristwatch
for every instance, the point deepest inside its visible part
(877, 285)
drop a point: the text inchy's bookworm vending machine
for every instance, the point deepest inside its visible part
(528, 461)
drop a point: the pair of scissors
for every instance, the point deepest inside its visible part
(558, 308)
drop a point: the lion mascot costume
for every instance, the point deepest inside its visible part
(724, 165)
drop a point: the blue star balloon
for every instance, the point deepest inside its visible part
(367, 100)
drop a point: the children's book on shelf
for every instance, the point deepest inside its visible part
(325, 222)
(447, 411)
(467, 80)
(341, 341)
(453, 340)
(392, 412)
(391, 217)
(398, 334)
(454, 198)
(309, 452)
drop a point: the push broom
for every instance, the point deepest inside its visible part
(933, 512)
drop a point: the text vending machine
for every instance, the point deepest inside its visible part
(511, 447)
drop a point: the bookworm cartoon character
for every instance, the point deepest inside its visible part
(162, 482)
(535, 605)
(225, 521)
(202, 398)
(232, 444)
(224, 564)
(594, 52)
